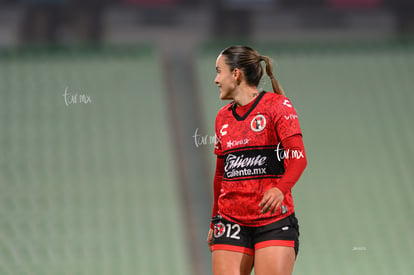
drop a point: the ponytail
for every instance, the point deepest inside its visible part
(269, 71)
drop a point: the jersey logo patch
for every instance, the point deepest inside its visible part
(287, 103)
(258, 123)
(222, 132)
(219, 230)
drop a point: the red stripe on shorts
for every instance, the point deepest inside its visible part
(233, 248)
(275, 243)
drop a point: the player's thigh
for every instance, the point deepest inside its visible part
(232, 247)
(274, 260)
(231, 263)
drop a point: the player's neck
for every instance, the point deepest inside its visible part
(246, 95)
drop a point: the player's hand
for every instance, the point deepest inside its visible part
(272, 200)
(210, 238)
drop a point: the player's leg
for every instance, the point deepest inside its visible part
(231, 263)
(274, 260)
(276, 246)
(232, 246)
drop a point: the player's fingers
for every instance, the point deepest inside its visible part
(210, 246)
(278, 204)
(274, 209)
(264, 200)
(210, 239)
(210, 235)
(268, 205)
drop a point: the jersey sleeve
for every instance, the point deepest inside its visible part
(218, 177)
(287, 122)
(296, 163)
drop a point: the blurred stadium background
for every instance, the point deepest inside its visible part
(107, 111)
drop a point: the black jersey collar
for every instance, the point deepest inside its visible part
(256, 101)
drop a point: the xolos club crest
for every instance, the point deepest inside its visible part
(258, 123)
(219, 230)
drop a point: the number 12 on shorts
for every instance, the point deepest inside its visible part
(232, 231)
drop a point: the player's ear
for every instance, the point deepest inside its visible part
(237, 74)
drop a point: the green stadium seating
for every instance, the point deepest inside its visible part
(87, 187)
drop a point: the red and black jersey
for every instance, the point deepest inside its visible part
(254, 159)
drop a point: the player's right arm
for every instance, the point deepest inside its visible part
(218, 177)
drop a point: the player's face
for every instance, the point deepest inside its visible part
(225, 79)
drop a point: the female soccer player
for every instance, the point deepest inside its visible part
(260, 156)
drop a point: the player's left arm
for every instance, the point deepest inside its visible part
(297, 163)
(273, 197)
(288, 130)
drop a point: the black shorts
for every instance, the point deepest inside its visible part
(228, 235)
